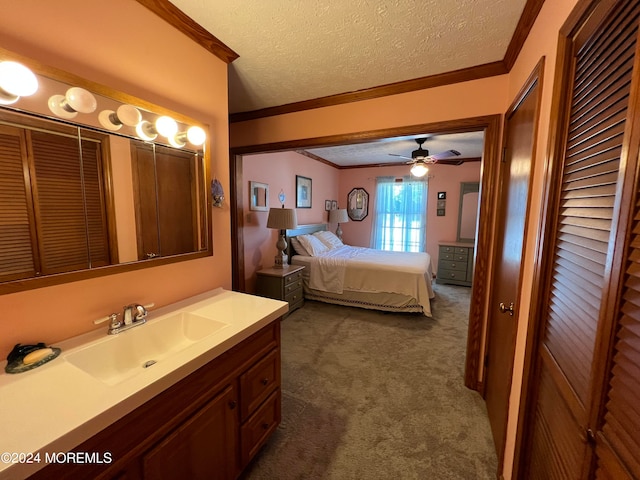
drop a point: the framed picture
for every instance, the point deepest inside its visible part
(442, 203)
(334, 204)
(440, 212)
(442, 195)
(259, 196)
(303, 192)
(327, 205)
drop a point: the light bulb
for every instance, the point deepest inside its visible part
(419, 169)
(146, 131)
(125, 115)
(166, 126)
(74, 100)
(177, 141)
(196, 135)
(16, 81)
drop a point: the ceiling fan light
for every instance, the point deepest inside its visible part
(419, 169)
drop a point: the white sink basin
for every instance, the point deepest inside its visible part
(121, 356)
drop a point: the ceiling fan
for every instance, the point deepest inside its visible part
(420, 158)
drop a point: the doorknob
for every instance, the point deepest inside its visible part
(504, 309)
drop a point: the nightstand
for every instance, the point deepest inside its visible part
(282, 284)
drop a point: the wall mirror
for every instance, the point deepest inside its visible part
(92, 182)
(358, 204)
(468, 211)
(259, 193)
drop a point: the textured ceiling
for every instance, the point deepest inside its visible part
(296, 50)
(468, 144)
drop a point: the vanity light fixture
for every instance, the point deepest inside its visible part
(75, 100)
(177, 141)
(125, 115)
(146, 131)
(166, 126)
(16, 81)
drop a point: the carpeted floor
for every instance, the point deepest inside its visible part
(372, 395)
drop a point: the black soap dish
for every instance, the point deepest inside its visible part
(28, 357)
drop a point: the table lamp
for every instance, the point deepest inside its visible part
(338, 216)
(282, 219)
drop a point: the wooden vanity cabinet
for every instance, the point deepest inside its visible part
(207, 426)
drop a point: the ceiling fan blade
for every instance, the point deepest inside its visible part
(447, 154)
(401, 156)
(454, 161)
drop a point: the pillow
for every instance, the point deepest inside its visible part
(329, 239)
(312, 245)
(297, 246)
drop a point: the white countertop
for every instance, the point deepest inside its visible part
(57, 406)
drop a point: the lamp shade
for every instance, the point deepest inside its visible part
(282, 218)
(338, 216)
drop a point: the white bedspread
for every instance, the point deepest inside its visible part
(369, 270)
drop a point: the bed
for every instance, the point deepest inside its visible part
(358, 276)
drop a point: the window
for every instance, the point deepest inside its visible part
(400, 217)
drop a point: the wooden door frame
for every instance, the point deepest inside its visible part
(491, 124)
(535, 79)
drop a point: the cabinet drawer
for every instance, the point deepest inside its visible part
(462, 251)
(293, 297)
(453, 257)
(452, 265)
(453, 274)
(292, 286)
(293, 278)
(257, 429)
(446, 249)
(258, 382)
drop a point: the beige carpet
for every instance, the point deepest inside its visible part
(372, 395)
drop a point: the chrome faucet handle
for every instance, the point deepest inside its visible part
(113, 320)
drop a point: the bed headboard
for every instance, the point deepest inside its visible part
(303, 230)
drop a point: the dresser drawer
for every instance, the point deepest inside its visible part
(460, 275)
(294, 296)
(446, 265)
(291, 287)
(258, 382)
(258, 428)
(293, 278)
(453, 257)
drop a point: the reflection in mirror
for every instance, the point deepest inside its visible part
(468, 214)
(259, 196)
(88, 181)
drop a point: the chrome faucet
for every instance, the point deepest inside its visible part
(132, 316)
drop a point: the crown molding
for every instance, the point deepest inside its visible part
(178, 19)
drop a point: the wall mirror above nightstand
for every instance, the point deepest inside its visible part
(259, 193)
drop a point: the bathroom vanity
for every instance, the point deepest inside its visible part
(201, 411)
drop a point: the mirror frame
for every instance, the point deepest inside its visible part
(253, 203)
(68, 277)
(358, 214)
(467, 187)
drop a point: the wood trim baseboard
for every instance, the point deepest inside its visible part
(180, 20)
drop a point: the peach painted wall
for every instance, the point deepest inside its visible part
(123, 45)
(487, 96)
(279, 171)
(445, 178)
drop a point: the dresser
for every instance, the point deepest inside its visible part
(455, 263)
(282, 284)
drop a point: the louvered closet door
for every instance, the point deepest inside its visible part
(574, 306)
(72, 230)
(17, 257)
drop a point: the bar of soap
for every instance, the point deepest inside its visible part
(36, 356)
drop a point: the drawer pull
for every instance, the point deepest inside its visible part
(453, 275)
(265, 425)
(265, 381)
(232, 404)
(453, 265)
